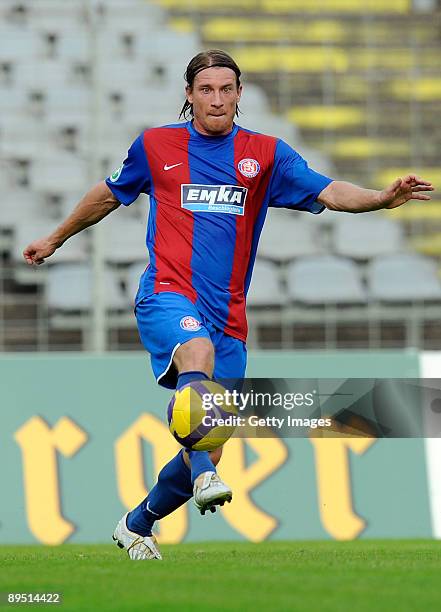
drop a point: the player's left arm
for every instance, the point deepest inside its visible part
(346, 197)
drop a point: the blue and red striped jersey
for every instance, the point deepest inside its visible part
(209, 196)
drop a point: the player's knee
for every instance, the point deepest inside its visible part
(197, 354)
(216, 455)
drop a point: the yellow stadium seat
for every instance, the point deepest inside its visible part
(428, 245)
(184, 25)
(417, 211)
(256, 30)
(290, 59)
(384, 177)
(423, 89)
(326, 117)
(332, 6)
(361, 148)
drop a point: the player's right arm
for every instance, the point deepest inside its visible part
(94, 206)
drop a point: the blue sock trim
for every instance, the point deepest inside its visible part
(186, 377)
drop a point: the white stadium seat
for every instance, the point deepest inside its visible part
(71, 103)
(50, 73)
(368, 235)
(74, 45)
(65, 172)
(19, 207)
(325, 280)
(23, 137)
(20, 42)
(70, 288)
(404, 277)
(124, 238)
(30, 229)
(265, 288)
(285, 237)
(13, 100)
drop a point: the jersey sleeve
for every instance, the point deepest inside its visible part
(133, 177)
(293, 183)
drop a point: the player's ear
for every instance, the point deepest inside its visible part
(189, 94)
(239, 93)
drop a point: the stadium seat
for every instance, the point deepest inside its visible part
(414, 212)
(364, 147)
(70, 288)
(50, 16)
(423, 89)
(284, 237)
(65, 171)
(275, 30)
(73, 250)
(20, 42)
(405, 277)
(389, 175)
(204, 5)
(265, 288)
(23, 137)
(315, 59)
(313, 117)
(50, 73)
(73, 45)
(74, 103)
(124, 239)
(13, 101)
(254, 99)
(366, 236)
(18, 207)
(325, 280)
(428, 244)
(337, 6)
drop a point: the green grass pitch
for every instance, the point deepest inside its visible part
(326, 576)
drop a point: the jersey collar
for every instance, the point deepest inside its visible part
(196, 134)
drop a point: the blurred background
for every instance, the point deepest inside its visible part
(353, 85)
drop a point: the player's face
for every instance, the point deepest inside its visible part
(214, 96)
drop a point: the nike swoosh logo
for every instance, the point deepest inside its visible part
(149, 509)
(174, 166)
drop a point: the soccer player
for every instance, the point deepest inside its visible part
(210, 184)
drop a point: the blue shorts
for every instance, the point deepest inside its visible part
(167, 320)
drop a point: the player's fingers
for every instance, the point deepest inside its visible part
(28, 256)
(420, 196)
(422, 188)
(417, 180)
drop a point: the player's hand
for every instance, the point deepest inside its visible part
(403, 190)
(38, 250)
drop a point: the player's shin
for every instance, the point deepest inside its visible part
(174, 488)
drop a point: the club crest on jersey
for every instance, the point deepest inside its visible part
(190, 324)
(228, 199)
(249, 167)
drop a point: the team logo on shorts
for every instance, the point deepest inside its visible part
(249, 167)
(190, 324)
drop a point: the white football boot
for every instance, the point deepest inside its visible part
(139, 548)
(209, 491)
